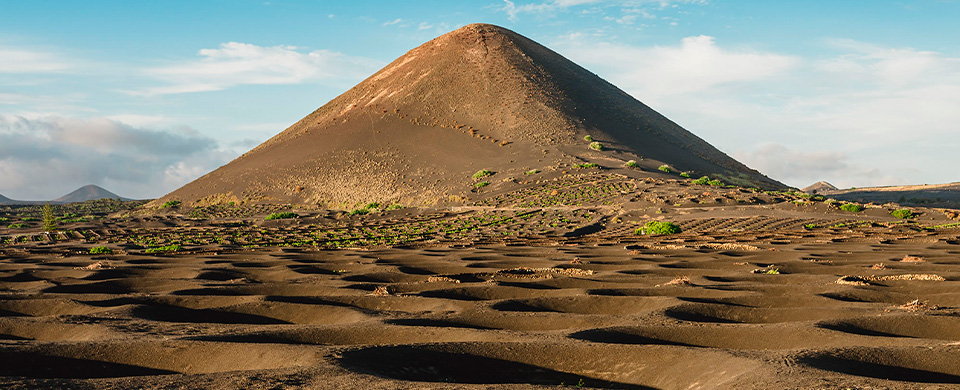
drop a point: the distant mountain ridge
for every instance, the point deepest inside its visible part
(82, 194)
(6, 200)
(88, 192)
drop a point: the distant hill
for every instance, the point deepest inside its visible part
(819, 188)
(88, 192)
(479, 98)
(6, 200)
(930, 195)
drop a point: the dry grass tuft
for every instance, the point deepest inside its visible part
(821, 261)
(678, 281)
(95, 266)
(440, 279)
(912, 259)
(381, 291)
(917, 305)
(720, 246)
(729, 246)
(542, 273)
(866, 280)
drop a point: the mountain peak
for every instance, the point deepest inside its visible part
(479, 97)
(85, 193)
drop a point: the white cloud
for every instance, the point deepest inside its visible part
(16, 60)
(697, 64)
(513, 10)
(236, 64)
(136, 120)
(802, 168)
(46, 157)
(864, 115)
(552, 7)
(392, 22)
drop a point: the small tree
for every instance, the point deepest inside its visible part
(49, 221)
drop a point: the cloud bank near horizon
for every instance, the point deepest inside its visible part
(860, 117)
(55, 155)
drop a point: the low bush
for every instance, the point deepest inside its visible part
(283, 215)
(596, 146)
(665, 168)
(395, 206)
(482, 174)
(851, 207)
(532, 172)
(902, 213)
(685, 174)
(585, 165)
(482, 184)
(588, 138)
(16, 226)
(659, 227)
(100, 250)
(170, 203)
(631, 164)
(703, 180)
(167, 248)
(360, 212)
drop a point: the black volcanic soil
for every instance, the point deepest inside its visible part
(478, 98)
(358, 250)
(539, 287)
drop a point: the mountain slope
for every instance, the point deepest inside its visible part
(480, 97)
(5, 200)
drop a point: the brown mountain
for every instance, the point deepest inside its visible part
(87, 192)
(819, 188)
(480, 97)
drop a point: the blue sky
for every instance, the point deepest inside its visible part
(142, 97)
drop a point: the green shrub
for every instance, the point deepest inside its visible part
(532, 172)
(596, 146)
(631, 164)
(482, 174)
(715, 183)
(588, 138)
(585, 165)
(49, 220)
(851, 207)
(100, 250)
(371, 206)
(16, 226)
(282, 215)
(360, 212)
(170, 203)
(665, 168)
(685, 174)
(168, 248)
(395, 206)
(703, 180)
(482, 184)
(2, 219)
(902, 213)
(659, 227)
